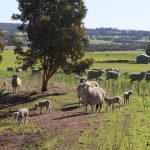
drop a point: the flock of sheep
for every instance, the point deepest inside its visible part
(90, 93)
(115, 74)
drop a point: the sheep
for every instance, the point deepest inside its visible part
(92, 95)
(126, 96)
(111, 101)
(109, 69)
(16, 82)
(137, 77)
(112, 75)
(79, 88)
(10, 68)
(46, 103)
(94, 74)
(22, 115)
(18, 69)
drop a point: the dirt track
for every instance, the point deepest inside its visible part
(57, 122)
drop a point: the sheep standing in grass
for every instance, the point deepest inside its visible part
(127, 97)
(45, 103)
(111, 101)
(16, 82)
(137, 77)
(112, 75)
(94, 74)
(79, 88)
(92, 95)
(22, 115)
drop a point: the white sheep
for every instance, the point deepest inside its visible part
(79, 88)
(126, 96)
(46, 103)
(111, 101)
(21, 115)
(16, 82)
(92, 95)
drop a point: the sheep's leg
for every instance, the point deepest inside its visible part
(100, 107)
(92, 108)
(107, 106)
(96, 107)
(85, 108)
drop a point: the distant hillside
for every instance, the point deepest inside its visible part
(11, 27)
(100, 39)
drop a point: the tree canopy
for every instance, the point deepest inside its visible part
(56, 33)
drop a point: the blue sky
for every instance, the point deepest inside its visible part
(122, 14)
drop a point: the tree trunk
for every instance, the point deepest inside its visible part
(45, 82)
(46, 76)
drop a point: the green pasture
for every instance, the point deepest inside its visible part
(99, 42)
(125, 129)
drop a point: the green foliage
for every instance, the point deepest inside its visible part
(55, 31)
(79, 67)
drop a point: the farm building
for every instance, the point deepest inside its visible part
(142, 59)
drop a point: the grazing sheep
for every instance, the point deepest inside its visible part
(16, 82)
(93, 96)
(147, 77)
(109, 69)
(127, 96)
(111, 101)
(79, 88)
(19, 69)
(112, 75)
(46, 103)
(10, 69)
(22, 115)
(94, 74)
(137, 76)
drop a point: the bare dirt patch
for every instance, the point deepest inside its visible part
(57, 122)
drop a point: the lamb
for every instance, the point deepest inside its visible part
(111, 101)
(79, 88)
(92, 95)
(16, 82)
(46, 103)
(137, 77)
(22, 115)
(112, 75)
(127, 96)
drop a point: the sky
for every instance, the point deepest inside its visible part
(121, 14)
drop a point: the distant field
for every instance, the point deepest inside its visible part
(99, 42)
(9, 60)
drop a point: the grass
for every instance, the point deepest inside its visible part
(128, 128)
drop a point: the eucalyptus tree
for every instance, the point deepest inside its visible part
(56, 34)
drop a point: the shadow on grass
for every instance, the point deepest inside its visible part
(73, 115)
(70, 106)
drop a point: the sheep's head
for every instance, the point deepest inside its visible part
(14, 76)
(85, 86)
(130, 92)
(15, 115)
